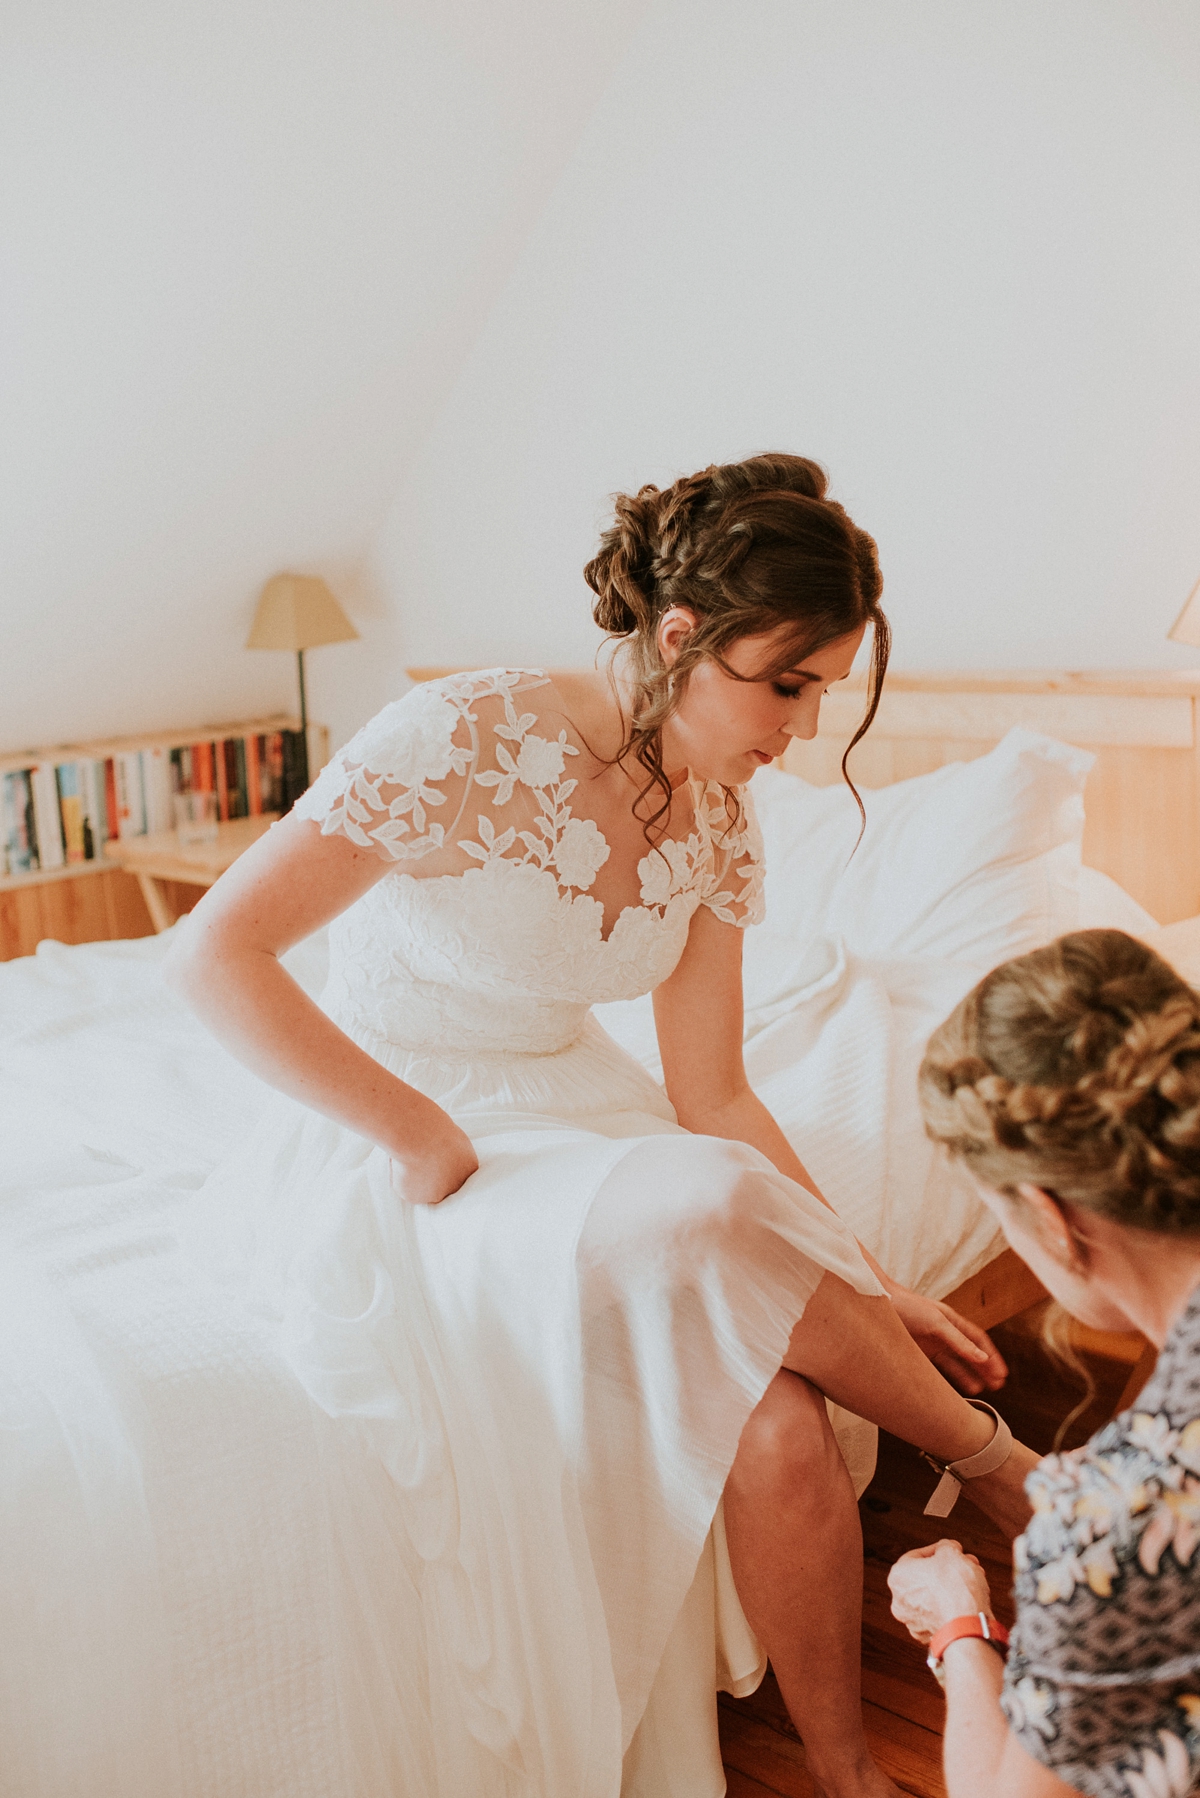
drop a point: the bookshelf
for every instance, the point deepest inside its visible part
(93, 899)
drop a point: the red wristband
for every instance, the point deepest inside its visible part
(978, 1624)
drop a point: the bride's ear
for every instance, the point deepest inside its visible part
(674, 628)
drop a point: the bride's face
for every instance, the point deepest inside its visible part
(726, 729)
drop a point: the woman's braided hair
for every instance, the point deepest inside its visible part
(1077, 1069)
(748, 546)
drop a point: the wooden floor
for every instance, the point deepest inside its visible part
(763, 1752)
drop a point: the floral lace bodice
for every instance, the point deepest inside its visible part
(487, 936)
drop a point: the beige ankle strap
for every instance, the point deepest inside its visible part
(954, 1473)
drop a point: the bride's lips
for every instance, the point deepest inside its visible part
(762, 756)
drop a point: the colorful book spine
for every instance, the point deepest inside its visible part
(241, 777)
(254, 804)
(295, 768)
(131, 801)
(274, 782)
(222, 781)
(112, 810)
(51, 851)
(20, 835)
(156, 786)
(204, 778)
(233, 797)
(95, 811)
(70, 810)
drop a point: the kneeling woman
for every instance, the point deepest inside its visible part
(1069, 1083)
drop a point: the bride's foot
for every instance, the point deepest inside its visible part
(855, 1776)
(992, 1473)
(1001, 1495)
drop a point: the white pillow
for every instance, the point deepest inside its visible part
(977, 861)
(1105, 905)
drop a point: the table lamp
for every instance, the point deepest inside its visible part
(1186, 628)
(298, 612)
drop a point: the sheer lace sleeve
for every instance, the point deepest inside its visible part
(733, 886)
(400, 785)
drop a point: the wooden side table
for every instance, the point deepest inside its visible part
(163, 857)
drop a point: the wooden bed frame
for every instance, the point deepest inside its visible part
(1142, 804)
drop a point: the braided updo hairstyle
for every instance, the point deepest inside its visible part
(748, 546)
(1076, 1069)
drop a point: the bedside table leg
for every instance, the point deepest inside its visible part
(160, 912)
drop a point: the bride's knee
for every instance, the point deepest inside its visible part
(787, 1445)
(678, 1201)
(715, 1189)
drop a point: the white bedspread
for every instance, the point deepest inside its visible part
(187, 1549)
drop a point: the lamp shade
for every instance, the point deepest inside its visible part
(1186, 628)
(297, 611)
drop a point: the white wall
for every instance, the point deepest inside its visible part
(398, 290)
(246, 245)
(949, 248)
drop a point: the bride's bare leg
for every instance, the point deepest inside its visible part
(857, 1352)
(794, 1540)
(795, 1548)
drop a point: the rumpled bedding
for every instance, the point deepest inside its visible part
(189, 1547)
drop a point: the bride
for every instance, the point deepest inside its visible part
(587, 1325)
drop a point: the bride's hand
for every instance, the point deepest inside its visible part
(444, 1162)
(961, 1350)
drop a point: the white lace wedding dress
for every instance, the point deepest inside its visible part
(554, 1366)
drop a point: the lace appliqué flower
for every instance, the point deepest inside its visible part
(580, 853)
(375, 792)
(737, 855)
(573, 849)
(669, 869)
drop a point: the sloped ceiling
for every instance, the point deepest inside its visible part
(246, 246)
(948, 248)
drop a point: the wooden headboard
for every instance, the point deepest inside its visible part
(1143, 795)
(1142, 798)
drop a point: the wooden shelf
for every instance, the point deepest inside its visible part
(51, 902)
(98, 749)
(38, 877)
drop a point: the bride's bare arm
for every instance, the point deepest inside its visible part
(225, 962)
(698, 1014)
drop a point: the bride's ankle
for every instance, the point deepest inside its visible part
(972, 1429)
(850, 1775)
(1001, 1495)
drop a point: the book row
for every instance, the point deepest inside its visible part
(52, 814)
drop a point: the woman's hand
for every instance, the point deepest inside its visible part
(930, 1586)
(961, 1350)
(444, 1161)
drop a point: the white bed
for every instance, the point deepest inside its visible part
(195, 1564)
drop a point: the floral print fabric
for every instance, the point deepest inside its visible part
(1103, 1682)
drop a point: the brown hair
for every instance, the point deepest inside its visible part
(748, 546)
(1077, 1069)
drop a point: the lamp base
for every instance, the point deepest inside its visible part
(303, 756)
